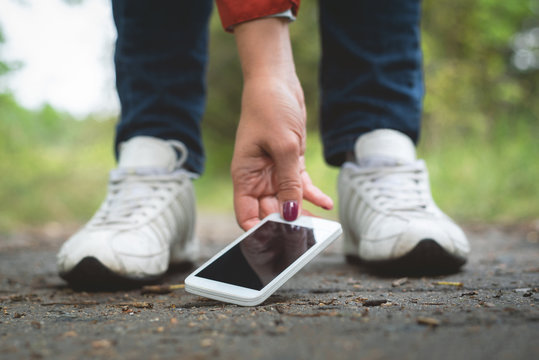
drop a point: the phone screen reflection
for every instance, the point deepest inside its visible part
(262, 256)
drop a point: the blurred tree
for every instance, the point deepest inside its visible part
(470, 79)
(3, 66)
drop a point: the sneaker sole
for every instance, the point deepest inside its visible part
(91, 275)
(427, 258)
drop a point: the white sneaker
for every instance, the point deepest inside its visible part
(387, 211)
(146, 221)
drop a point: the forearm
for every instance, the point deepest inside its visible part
(264, 49)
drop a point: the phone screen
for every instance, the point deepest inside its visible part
(261, 256)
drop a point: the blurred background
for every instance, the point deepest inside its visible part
(58, 109)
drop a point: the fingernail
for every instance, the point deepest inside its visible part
(290, 210)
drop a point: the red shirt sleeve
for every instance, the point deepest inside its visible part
(233, 12)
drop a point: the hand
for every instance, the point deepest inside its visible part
(268, 167)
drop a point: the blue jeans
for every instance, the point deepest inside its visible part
(371, 71)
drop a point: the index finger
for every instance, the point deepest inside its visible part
(246, 210)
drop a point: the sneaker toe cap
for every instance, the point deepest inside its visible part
(445, 233)
(82, 245)
(125, 253)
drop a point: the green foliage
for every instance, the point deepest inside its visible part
(479, 131)
(4, 68)
(54, 168)
(477, 178)
(470, 81)
(481, 114)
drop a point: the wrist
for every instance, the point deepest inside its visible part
(264, 49)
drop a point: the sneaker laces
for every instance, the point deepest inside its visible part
(402, 188)
(136, 194)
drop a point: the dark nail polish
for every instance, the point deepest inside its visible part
(290, 210)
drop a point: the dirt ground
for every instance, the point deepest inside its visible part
(331, 309)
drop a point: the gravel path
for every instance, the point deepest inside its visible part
(330, 309)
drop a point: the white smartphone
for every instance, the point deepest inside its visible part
(255, 265)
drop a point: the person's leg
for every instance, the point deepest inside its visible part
(372, 89)
(160, 58)
(371, 71)
(148, 217)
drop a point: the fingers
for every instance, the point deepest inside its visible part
(314, 195)
(289, 183)
(246, 209)
(268, 205)
(251, 210)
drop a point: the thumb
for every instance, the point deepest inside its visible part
(289, 189)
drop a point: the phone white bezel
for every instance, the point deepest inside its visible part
(325, 232)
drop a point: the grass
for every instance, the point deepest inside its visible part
(492, 178)
(55, 169)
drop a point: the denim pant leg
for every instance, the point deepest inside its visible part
(160, 58)
(371, 71)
